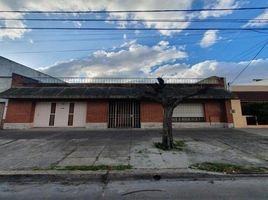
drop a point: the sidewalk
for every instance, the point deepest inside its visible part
(37, 151)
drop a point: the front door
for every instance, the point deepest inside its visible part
(60, 114)
(124, 114)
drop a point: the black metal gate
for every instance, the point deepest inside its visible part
(124, 114)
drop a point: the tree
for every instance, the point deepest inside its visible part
(170, 97)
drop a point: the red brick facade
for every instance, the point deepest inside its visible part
(97, 111)
(20, 81)
(228, 112)
(214, 111)
(218, 111)
(151, 112)
(19, 111)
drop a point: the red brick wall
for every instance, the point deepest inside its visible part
(20, 111)
(218, 111)
(151, 112)
(97, 111)
(20, 81)
(228, 109)
(214, 111)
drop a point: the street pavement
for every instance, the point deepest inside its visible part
(238, 189)
(42, 148)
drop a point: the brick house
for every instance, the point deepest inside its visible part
(112, 103)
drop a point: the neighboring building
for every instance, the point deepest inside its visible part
(113, 103)
(251, 109)
(7, 67)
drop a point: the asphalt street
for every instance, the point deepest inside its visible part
(242, 188)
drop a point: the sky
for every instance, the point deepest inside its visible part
(139, 53)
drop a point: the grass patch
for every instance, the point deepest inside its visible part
(228, 168)
(179, 145)
(91, 167)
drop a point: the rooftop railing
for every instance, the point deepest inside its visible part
(116, 80)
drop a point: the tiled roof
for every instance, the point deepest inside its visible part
(109, 93)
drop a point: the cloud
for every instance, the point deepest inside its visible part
(6, 33)
(215, 68)
(101, 5)
(254, 22)
(210, 38)
(136, 60)
(131, 59)
(216, 4)
(118, 5)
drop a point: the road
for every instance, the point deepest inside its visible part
(242, 188)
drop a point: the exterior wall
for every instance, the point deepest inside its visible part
(97, 114)
(20, 111)
(201, 125)
(96, 126)
(2, 108)
(214, 111)
(251, 88)
(17, 125)
(253, 95)
(5, 83)
(151, 125)
(19, 114)
(217, 114)
(239, 119)
(228, 112)
(151, 112)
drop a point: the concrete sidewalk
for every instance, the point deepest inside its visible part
(41, 149)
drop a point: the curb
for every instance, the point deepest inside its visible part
(105, 176)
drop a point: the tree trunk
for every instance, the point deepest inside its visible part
(167, 137)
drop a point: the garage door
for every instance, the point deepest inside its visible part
(189, 112)
(60, 114)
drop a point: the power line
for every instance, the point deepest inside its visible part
(139, 20)
(248, 51)
(59, 33)
(128, 38)
(77, 50)
(57, 51)
(132, 29)
(249, 63)
(132, 11)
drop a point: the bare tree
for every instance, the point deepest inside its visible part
(170, 97)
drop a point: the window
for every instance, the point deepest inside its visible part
(52, 114)
(189, 112)
(71, 114)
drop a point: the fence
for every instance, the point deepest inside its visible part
(116, 80)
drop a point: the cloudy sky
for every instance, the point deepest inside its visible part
(139, 53)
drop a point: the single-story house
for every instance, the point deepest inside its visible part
(251, 107)
(113, 103)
